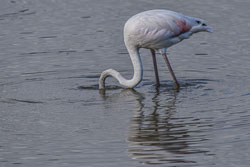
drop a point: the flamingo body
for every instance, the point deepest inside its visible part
(158, 29)
(155, 30)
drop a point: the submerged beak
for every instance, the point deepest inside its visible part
(209, 29)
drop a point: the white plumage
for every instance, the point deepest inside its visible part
(154, 30)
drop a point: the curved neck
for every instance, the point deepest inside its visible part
(138, 71)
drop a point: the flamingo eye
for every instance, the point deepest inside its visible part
(198, 22)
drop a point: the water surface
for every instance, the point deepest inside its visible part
(51, 113)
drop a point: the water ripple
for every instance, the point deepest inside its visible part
(21, 101)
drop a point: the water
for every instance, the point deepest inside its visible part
(51, 113)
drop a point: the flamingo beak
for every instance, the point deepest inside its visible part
(209, 29)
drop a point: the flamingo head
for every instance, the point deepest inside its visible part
(199, 25)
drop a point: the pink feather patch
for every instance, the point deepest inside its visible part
(183, 26)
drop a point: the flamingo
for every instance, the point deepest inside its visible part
(156, 30)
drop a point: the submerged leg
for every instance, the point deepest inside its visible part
(171, 70)
(155, 68)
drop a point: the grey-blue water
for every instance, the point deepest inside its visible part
(51, 113)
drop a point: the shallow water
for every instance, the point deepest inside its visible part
(52, 114)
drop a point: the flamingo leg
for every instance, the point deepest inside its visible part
(171, 70)
(155, 68)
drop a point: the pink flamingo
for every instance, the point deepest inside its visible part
(154, 30)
